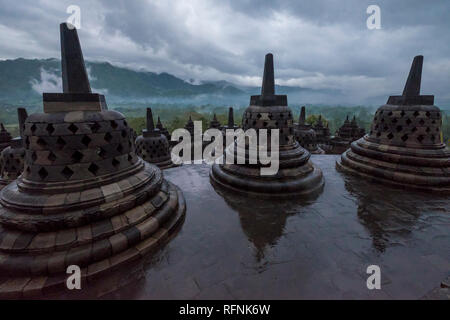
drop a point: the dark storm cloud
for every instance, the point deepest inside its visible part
(318, 44)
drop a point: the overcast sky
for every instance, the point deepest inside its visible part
(316, 44)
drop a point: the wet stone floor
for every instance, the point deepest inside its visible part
(233, 247)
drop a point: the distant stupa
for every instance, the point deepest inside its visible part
(305, 134)
(84, 197)
(230, 125)
(404, 146)
(12, 158)
(5, 137)
(214, 123)
(163, 129)
(153, 146)
(296, 175)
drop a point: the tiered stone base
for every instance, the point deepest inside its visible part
(166, 164)
(296, 176)
(4, 183)
(318, 150)
(421, 169)
(125, 227)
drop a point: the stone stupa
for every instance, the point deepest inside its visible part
(12, 158)
(163, 129)
(230, 125)
(296, 175)
(153, 146)
(5, 137)
(323, 134)
(405, 146)
(84, 198)
(214, 123)
(305, 134)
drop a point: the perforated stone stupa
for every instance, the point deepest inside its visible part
(12, 158)
(153, 146)
(84, 197)
(405, 145)
(214, 123)
(230, 125)
(5, 137)
(305, 134)
(296, 175)
(163, 129)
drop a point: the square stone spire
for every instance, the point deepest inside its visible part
(77, 95)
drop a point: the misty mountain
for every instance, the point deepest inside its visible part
(22, 81)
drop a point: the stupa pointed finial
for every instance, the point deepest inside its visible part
(214, 117)
(74, 75)
(230, 118)
(302, 118)
(2, 127)
(268, 84)
(150, 124)
(22, 116)
(412, 86)
(159, 124)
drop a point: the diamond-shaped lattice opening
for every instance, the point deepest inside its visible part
(428, 114)
(50, 129)
(115, 162)
(428, 129)
(101, 152)
(408, 121)
(130, 158)
(41, 142)
(404, 137)
(86, 140)
(414, 129)
(402, 113)
(394, 120)
(95, 127)
(124, 133)
(390, 113)
(43, 173)
(27, 142)
(60, 142)
(67, 172)
(420, 138)
(108, 137)
(34, 156)
(77, 156)
(433, 138)
(93, 168)
(120, 148)
(113, 124)
(421, 122)
(125, 124)
(416, 113)
(390, 136)
(51, 157)
(399, 128)
(33, 128)
(73, 128)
